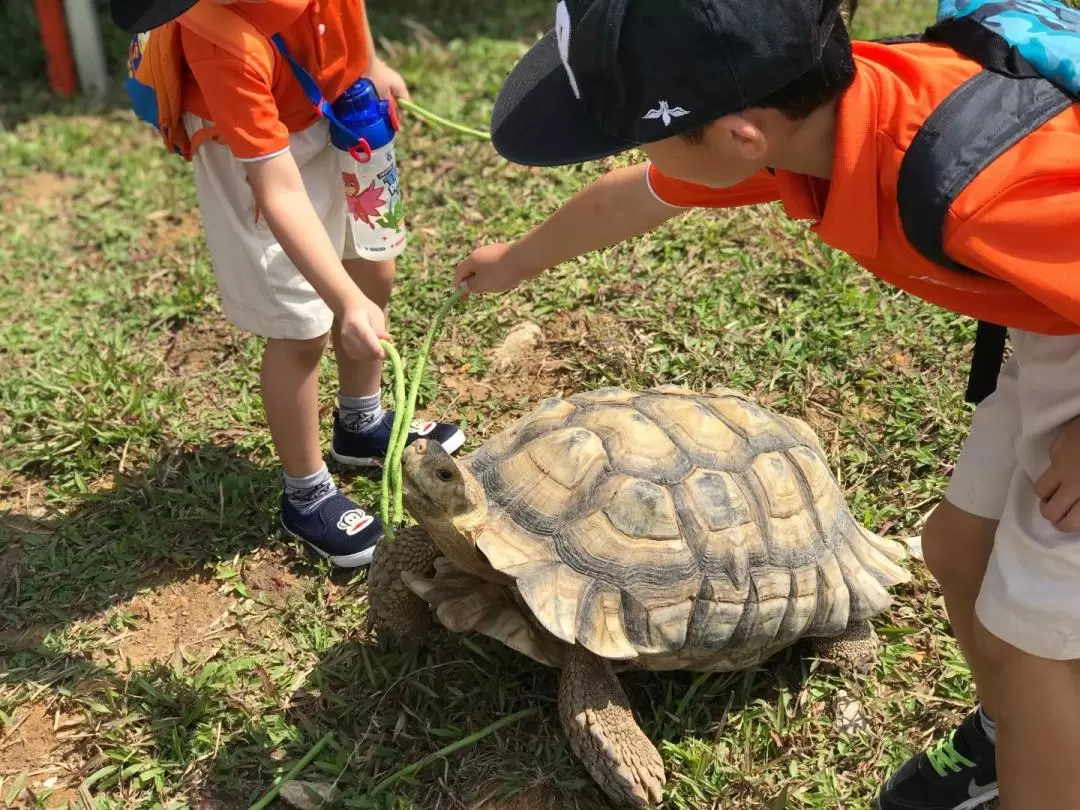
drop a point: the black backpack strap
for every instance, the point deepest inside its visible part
(986, 361)
(980, 121)
(970, 37)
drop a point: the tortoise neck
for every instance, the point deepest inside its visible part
(457, 539)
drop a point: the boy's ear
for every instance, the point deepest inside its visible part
(742, 133)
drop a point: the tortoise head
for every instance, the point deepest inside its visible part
(447, 501)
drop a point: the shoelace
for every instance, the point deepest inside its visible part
(944, 758)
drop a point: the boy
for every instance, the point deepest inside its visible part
(735, 103)
(272, 195)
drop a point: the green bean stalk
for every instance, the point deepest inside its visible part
(404, 409)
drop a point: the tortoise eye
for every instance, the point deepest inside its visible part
(445, 475)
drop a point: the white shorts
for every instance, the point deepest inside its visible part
(1030, 597)
(261, 290)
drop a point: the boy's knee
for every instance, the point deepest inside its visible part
(957, 545)
(311, 347)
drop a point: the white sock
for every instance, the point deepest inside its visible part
(989, 727)
(310, 491)
(358, 414)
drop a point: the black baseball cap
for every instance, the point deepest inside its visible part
(138, 16)
(614, 74)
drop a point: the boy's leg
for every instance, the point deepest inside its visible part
(363, 378)
(959, 771)
(1029, 605)
(263, 293)
(290, 390)
(1038, 728)
(956, 549)
(361, 427)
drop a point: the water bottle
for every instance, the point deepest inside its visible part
(372, 189)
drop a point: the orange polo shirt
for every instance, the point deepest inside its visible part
(255, 109)
(1017, 224)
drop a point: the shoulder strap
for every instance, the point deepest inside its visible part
(979, 121)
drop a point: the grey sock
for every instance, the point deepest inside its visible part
(310, 491)
(360, 413)
(989, 727)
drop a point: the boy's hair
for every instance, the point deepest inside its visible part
(822, 85)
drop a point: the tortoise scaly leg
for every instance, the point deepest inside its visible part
(597, 719)
(854, 650)
(391, 605)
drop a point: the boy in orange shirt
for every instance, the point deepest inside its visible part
(272, 194)
(736, 103)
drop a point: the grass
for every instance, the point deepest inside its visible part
(161, 647)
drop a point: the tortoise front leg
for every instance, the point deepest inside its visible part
(391, 605)
(854, 650)
(597, 719)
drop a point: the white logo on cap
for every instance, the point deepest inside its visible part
(666, 113)
(562, 34)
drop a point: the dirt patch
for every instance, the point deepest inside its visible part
(23, 496)
(190, 616)
(168, 229)
(38, 745)
(40, 190)
(269, 577)
(199, 346)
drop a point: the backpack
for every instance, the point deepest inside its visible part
(156, 75)
(155, 82)
(1030, 54)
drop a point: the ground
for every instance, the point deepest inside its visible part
(160, 646)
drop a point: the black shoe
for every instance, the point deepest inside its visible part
(958, 773)
(337, 529)
(368, 449)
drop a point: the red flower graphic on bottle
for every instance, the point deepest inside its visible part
(363, 205)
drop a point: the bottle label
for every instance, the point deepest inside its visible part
(373, 198)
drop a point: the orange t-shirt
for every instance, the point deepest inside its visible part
(1017, 224)
(254, 112)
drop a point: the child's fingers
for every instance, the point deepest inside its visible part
(1047, 484)
(1057, 507)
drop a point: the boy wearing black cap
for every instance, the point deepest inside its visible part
(737, 103)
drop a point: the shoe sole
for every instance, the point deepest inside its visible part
(451, 446)
(358, 560)
(970, 804)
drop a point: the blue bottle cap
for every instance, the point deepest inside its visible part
(365, 115)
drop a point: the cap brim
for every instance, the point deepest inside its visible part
(538, 121)
(157, 14)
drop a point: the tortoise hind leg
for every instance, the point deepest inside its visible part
(597, 719)
(854, 650)
(391, 605)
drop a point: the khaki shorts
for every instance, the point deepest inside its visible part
(1030, 597)
(261, 290)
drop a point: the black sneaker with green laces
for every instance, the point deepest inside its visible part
(958, 773)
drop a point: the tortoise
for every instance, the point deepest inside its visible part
(616, 530)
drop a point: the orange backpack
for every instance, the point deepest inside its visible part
(155, 83)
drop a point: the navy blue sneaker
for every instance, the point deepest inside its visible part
(337, 530)
(957, 773)
(368, 449)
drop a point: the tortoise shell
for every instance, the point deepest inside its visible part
(665, 529)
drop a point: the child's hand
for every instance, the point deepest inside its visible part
(362, 326)
(1059, 486)
(387, 80)
(488, 270)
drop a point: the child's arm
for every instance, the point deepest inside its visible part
(281, 197)
(386, 80)
(610, 210)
